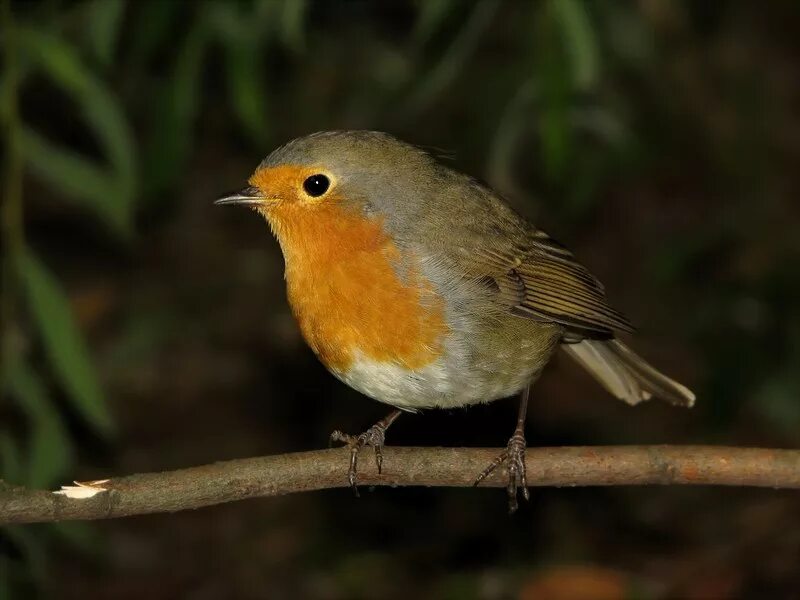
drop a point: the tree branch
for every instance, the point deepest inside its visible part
(195, 487)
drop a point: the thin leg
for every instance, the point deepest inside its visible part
(514, 455)
(374, 436)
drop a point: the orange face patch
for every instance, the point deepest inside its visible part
(342, 280)
(284, 182)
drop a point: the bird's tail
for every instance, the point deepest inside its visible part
(625, 374)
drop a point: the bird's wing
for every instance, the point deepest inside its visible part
(530, 273)
(540, 279)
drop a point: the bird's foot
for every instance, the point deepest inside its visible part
(514, 457)
(374, 436)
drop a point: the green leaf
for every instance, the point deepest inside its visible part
(292, 19)
(554, 79)
(63, 343)
(50, 449)
(242, 37)
(102, 114)
(176, 111)
(246, 87)
(580, 42)
(152, 22)
(451, 64)
(432, 14)
(556, 137)
(74, 176)
(102, 29)
(511, 128)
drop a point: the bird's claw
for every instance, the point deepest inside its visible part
(514, 457)
(375, 436)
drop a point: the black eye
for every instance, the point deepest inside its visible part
(316, 185)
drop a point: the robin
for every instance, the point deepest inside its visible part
(420, 287)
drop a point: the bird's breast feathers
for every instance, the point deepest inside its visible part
(355, 296)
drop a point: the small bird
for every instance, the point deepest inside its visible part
(420, 287)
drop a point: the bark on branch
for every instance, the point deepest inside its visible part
(195, 487)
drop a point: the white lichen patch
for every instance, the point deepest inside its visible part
(83, 489)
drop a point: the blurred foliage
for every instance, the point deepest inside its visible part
(680, 116)
(106, 190)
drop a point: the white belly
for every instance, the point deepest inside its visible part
(437, 385)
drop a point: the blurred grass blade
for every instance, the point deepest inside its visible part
(452, 62)
(172, 135)
(152, 22)
(49, 450)
(556, 86)
(432, 14)
(290, 25)
(556, 138)
(103, 25)
(512, 127)
(246, 89)
(74, 176)
(101, 112)
(63, 343)
(572, 18)
(243, 37)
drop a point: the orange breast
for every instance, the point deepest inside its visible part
(349, 291)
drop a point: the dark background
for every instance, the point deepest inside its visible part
(144, 329)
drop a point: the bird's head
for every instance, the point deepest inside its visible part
(321, 183)
(332, 199)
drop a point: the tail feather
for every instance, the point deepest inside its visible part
(625, 374)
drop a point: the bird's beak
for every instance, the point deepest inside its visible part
(250, 195)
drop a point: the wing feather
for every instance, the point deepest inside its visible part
(545, 282)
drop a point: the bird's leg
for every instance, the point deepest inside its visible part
(374, 436)
(514, 456)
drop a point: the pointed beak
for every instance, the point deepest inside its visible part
(250, 195)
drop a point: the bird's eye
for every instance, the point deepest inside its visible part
(316, 185)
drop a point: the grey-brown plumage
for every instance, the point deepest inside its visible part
(505, 277)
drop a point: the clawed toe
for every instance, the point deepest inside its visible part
(516, 472)
(375, 436)
(356, 444)
(514, 457)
